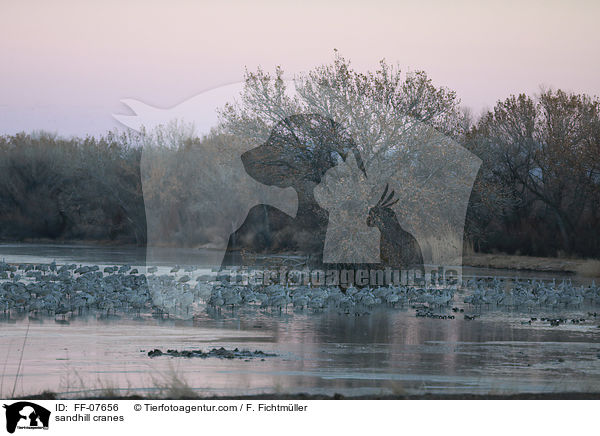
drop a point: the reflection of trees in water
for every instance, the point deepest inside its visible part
(385, 339)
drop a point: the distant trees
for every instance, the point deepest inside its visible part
(541, 174)
(537, 191)
(193, 187)
(70, 189)
(402, 125)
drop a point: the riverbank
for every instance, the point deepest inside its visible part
(296, 397)
(583, 267)
(500, 261)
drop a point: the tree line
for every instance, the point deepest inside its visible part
(537, 191)
(77, 189)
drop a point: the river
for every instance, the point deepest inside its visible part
(389, 351)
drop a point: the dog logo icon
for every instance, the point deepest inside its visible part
(26, 415)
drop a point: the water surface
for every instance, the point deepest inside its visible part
(389, 351)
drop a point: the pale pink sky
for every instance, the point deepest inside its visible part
(64, 65)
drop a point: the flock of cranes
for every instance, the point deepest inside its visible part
(532, 294)
(71, 290)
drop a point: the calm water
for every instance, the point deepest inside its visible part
(389, 351)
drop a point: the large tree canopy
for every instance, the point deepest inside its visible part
(403, 127)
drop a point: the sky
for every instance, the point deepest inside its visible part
(66, 65)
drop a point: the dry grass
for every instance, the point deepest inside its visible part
(589, 268)
(444, 247)
(584, 267)
(168, 384)
(174, 386)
